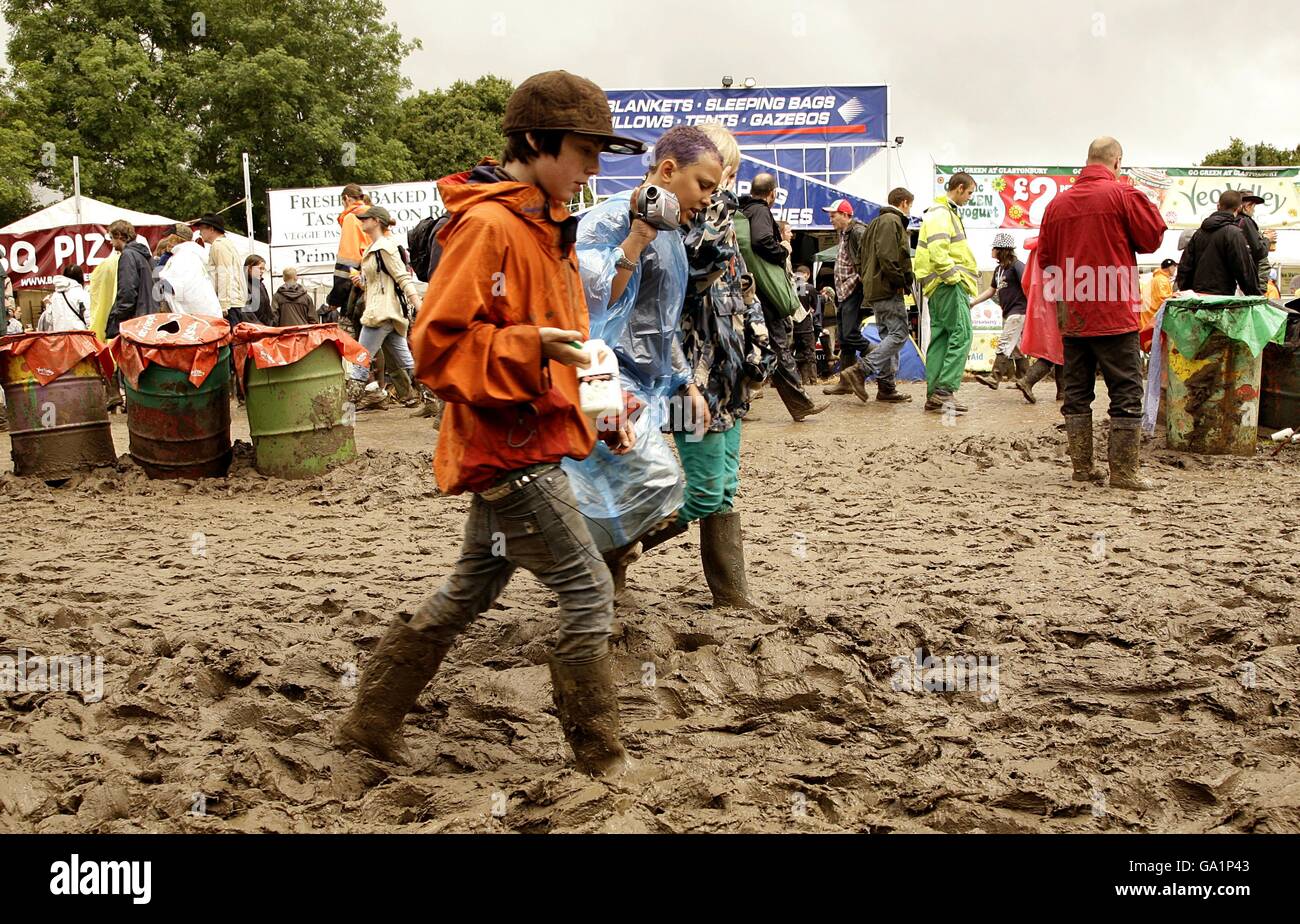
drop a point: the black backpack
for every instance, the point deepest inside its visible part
(425, 252)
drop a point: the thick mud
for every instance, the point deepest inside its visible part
(952, 636)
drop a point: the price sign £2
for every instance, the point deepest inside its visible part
(1026, 197)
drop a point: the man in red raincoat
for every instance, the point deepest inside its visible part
(1086, 250)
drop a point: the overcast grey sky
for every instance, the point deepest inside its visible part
(974, 82)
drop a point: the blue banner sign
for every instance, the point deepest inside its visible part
(762, 116)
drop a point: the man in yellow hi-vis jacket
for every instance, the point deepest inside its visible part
(945, 267)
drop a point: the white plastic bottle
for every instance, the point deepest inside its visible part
(600, 393)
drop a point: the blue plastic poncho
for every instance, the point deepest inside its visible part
(624, 496)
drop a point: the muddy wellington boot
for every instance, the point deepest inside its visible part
(1125, 453)
(808, 372)
(1059, 371)
(586, 702)
(1032, 377)
(722, 553)
(994, 378)
(406, 392)
(617, 561)
(394, 675)
(1078, 430)
(842, 387)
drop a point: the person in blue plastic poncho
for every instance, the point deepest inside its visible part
(634, 280)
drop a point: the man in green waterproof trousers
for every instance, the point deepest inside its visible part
(945, 267)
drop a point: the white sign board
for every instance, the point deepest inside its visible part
(304, 222)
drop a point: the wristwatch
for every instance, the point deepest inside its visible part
(623, 262)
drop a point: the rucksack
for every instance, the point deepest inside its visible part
(423, 245)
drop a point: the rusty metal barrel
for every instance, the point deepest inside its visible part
(59, 428)
(178, 373)
(1214, 349)
(1279, 392)
(179, 430)
(297, 415)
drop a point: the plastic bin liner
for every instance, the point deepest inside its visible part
(184, 342)
(280, 346)
(49, 355)
(1189, 321)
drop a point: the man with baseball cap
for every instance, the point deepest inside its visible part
(1259, 242)
(848, 290)
(495, 340)
(886, 278)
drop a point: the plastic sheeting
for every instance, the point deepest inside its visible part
(280, 346)
(642, 325)
(183, 342)
(49, 355)
(1251, 320)
(1155, 373)
(623, 496)
(1041, 336)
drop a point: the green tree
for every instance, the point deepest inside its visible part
(1252, 155)
(159, 100)
(18, 160)
(451, 130)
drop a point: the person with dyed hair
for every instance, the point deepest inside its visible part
(634, 277)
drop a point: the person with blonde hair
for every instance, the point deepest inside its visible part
(713, 327)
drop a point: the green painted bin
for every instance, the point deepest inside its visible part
(1214, 354)
(178, 430)
(297, 416)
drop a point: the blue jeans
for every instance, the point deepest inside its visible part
(372, 341)
(891, 320)
(849, 320)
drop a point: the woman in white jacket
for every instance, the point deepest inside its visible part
(387, 284)
(68, 308)
(186, 275)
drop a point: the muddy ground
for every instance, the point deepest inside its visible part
(1146, 646)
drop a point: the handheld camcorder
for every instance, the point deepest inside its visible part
(657, 207)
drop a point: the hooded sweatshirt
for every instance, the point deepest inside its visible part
(293, 306)
(476, 343)
(68, 308)
(1218, 259)
(135, 288)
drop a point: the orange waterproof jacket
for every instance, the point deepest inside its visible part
(352, 240)
(508, 267)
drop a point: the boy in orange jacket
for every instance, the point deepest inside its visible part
(493, 339)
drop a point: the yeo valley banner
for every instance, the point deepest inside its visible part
(1017, 196)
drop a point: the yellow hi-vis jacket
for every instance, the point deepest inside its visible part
(943, 256)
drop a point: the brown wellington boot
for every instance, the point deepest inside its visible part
(993, 378)
(587, 705)
(1078, 430)
(1031, 377)
(808, 372)
(617, 561)
(394, 675)
(1125, 452)
(722, 553)
(406, 392)
(842, 387)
